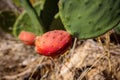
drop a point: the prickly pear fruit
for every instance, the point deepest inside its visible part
(53, 43)
(27, 37)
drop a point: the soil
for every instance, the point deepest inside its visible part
(85, 60)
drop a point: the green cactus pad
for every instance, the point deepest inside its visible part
(89, 18)
(24, 22)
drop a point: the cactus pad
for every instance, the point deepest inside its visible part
(89, 18)
(24, 22)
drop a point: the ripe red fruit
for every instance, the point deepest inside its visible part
(27, 37)
(53, 43)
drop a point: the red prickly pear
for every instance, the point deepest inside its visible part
(27, 38)
(53, 43)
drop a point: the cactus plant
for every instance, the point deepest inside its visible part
(33, 16)
(89, 18)
(24, 22)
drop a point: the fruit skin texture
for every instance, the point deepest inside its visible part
(27, 38)
(53, 43)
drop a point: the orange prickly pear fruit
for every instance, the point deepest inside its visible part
(27, 38)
